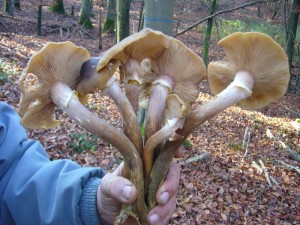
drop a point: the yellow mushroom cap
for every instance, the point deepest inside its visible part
(180, 63)
(145, 44)
(55, 62)
(259, 55)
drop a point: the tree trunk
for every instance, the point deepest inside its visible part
(9, 7)
(111, 17)
(85, 14)
(159, 15)
(258, 12)
(58, 7)
(213, 7)
(100, 25)
(141, 17)
(292, 30)
(17, 4)
(39, 20)
(123, 8)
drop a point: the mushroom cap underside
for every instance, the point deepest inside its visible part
(180, 63)
(259, 55)
(55, 62)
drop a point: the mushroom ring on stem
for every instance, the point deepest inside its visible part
(178, 70)
(127, 55)
(254, 72)
(57, 67)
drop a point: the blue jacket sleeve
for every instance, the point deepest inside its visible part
(35, 190)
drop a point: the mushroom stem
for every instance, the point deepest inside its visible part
(89, 72)
(156, 139)
(132, 91)
(132, 128)
(239, 89)
(160, 90)
(65, 99)
(132, 82)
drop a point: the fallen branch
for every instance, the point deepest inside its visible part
(261, 169)
(292, 154)
(199, 158)
(290, 167)
(257, 167)
(269, 178)
(84, 31)
(221, 12)
(246, 141)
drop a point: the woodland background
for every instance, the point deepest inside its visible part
(230, 186)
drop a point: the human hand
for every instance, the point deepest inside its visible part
(116, 190)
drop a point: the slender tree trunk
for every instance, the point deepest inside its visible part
(292, 31)
(141, 17)
(213, 8)
(39, 20)
(85, 14)
(9, 7)
(258, 12)
(58, 7)
(17, 4)
(100, 25)
(159, 15)
(111, 17)
(123, 8)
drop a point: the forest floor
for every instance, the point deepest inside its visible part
(224, 189)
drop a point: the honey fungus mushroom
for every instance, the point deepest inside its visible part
(258, 55)
(57, 69)
(254, 73)
(179, 71)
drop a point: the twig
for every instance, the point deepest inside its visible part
(221, 12)
(290, 167)
(200, 158)
(257, 167)
(262, 169)
(246, 141)
(292, 154)
(269, 178)
(84, 31)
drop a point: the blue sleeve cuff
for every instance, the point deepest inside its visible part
(88, 202)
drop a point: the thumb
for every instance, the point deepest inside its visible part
(118, 188)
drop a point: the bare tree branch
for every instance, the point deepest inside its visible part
(222, 12)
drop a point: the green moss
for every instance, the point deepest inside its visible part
(109, 26)
(58, 7)
(87, 23)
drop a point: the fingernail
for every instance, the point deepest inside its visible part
(126, 192)
(154, 219)
(164, 197)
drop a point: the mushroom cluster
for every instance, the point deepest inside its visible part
(159, 82)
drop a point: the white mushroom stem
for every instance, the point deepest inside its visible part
(65, 99)
(239, 89)
(157, 101)
(132, 128)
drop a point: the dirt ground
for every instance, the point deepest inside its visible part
(224, 189)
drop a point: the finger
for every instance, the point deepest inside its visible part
(170, 185)
(119, 170)
(162, 214)
(118, 188)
